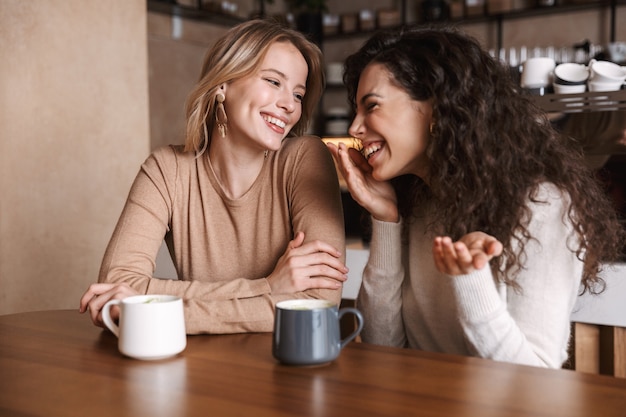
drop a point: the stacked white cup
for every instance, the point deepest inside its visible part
(570, 78)
(605, 76)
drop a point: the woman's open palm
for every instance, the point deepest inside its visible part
(470, 253)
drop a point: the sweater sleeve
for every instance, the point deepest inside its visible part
(315, 203)
(531, 325)
(131, 253)
(380, 296)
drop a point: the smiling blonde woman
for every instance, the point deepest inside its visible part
(250, 210)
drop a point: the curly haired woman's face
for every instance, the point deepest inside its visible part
(393, 128)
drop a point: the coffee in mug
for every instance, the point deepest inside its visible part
(150, 327)
(307, 332)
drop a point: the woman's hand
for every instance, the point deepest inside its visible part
(377, 197)
(308, 265)
(97, 296)
(472, 252)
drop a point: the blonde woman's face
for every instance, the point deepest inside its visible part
(263, 107)
(393, 128)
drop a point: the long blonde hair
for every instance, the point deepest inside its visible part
(236, 55)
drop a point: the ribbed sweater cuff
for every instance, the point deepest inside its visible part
(477, 294)
(385, 247)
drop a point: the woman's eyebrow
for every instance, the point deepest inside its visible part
(367, 96)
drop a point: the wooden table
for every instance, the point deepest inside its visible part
(56, 363)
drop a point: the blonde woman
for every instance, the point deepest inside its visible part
(250, 209)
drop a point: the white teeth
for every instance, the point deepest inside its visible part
(367, 152)
(275, 121)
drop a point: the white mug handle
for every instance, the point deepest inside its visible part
(590, 67)
(106, 317)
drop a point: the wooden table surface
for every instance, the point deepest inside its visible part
(56, 363)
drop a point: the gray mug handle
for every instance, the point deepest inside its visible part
(359, 327)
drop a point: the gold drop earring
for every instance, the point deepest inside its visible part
(220, 114)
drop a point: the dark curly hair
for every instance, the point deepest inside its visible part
(491, 148)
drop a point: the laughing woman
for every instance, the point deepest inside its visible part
(250, 210)
(486, 226)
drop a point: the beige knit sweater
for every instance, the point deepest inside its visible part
(406, 302)
(223, 248)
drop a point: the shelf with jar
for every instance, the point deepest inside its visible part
(365, 22)
(477, 10)
(222, 13)
(500, 11)
(362, 22)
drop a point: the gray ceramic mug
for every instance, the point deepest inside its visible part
(306, 332)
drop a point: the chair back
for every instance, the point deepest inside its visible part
(599, 327)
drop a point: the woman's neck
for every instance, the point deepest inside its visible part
(236, 169)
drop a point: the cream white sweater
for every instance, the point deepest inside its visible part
(407, 302)
(224, 248)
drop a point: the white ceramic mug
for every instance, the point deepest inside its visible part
(537, 72)
(608, 86)
(571, 73)
(150, 327)
(605, 72)
(569, 89)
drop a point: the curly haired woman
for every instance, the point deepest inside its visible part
(486, 225)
